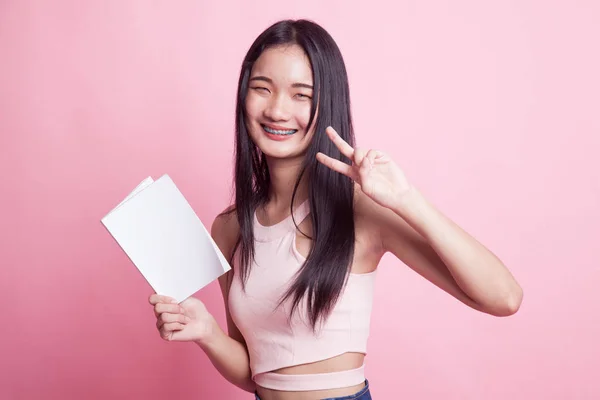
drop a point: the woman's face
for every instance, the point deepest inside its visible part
(278, 102)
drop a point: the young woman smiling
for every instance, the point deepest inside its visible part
(312, 218)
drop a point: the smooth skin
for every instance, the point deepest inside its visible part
(391, 215)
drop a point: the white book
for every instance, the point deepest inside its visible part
(164, 238)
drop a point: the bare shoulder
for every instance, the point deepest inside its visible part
(225, 231)
(368, 219)
(367, 213)
(381, 221)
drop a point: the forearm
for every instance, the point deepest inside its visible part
(230, 358)
(478, 272)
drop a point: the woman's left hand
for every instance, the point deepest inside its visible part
(377, 174)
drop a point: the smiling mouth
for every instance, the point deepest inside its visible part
(280, 132)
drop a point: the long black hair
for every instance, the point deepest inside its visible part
(331, 194)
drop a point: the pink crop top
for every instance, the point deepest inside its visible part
(275, 343)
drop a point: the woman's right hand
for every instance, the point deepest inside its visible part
(187, 321)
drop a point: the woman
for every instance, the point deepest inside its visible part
(312, 218)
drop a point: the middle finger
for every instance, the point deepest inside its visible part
(169, 318)
(167, 308)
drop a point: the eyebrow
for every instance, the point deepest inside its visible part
(269, 80)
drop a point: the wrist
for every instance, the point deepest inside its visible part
(212, 332)
(407, 201)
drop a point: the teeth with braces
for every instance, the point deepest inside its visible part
(279, 132)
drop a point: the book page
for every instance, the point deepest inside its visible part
(162, 235)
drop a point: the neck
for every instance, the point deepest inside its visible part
(283, 174)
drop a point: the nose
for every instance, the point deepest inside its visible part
(277, 109)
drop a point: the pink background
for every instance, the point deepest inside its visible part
(491, 108)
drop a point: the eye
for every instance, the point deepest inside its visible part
(260, 89)
(302, 96)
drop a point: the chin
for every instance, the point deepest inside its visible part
(281, 151)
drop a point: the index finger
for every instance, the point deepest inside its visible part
(157, 298)
(340, 143)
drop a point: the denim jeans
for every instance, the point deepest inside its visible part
(362, 394)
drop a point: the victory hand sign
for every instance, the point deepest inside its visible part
(377, 174)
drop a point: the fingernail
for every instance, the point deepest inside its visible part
(174, 301)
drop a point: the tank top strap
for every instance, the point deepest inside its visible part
(301, 212)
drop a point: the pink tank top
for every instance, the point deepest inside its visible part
(274, 341)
